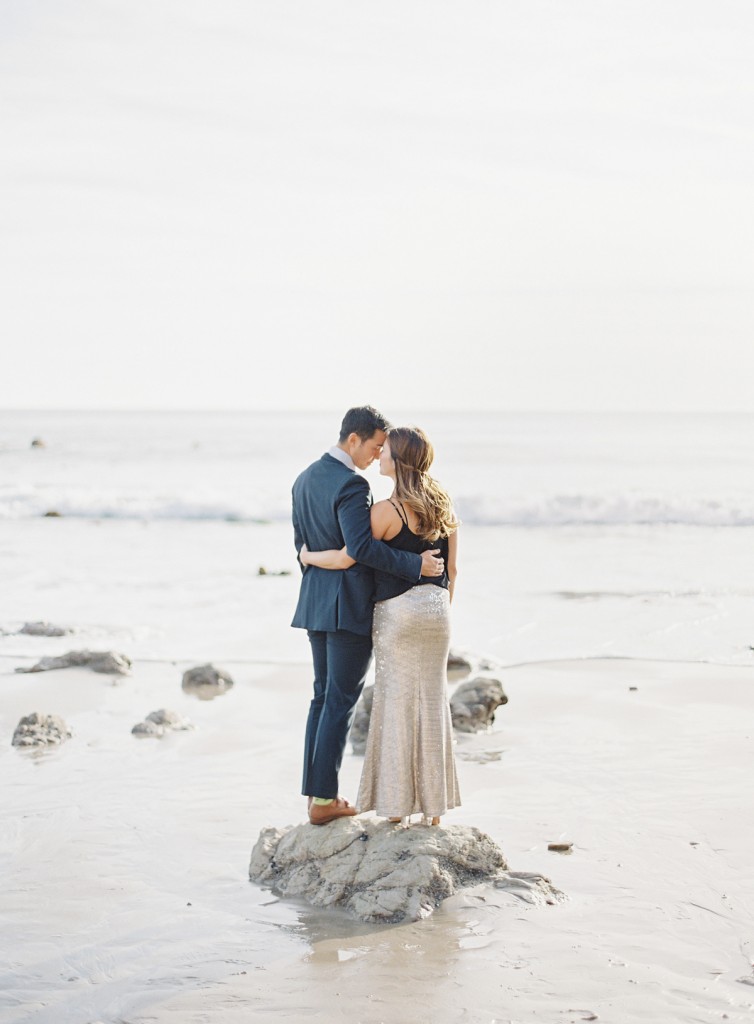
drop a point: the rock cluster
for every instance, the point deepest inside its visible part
(458, 665)
(380, 873)
(472, 709)
(206, 681)
(37, 730)
(109, 662)
(473, 704)
(157, 723)
(44, 629)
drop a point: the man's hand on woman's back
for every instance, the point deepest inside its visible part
(431, 564)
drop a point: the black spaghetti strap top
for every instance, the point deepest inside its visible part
(387, 586)
(400, 510)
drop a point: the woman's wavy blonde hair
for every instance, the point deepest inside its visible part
(412, 454)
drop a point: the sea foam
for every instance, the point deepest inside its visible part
(544, 510)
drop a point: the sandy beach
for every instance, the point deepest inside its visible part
(623, 641)
(127, 899)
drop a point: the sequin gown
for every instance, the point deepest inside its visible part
(408, 764)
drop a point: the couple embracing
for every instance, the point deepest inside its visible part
(377, 576)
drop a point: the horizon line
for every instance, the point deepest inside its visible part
(231, 410)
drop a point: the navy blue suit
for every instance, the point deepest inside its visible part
(331, 509)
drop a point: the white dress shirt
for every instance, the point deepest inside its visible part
(341, 456)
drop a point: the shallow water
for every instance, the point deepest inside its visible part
(191, 590)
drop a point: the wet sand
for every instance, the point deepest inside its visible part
(126, 896)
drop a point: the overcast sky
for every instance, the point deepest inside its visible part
(254, 204)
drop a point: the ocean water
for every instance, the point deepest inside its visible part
(583, 535)
(532, 470)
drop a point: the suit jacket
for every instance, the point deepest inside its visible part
(331, 509)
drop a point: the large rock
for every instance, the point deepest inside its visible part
(109, 662)
(378, 872)
(206, 681)
(44, 629)
(37, 730)
(361, 716)
(157, 723)
(473, 704)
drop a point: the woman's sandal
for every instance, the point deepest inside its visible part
(427, 819)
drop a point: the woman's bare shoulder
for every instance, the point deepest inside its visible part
(383, 519)
(383, 511)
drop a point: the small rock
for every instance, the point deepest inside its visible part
(560, 847)
(157, 723)
(261, 571)
(382, 874)
(633, 688)
(473, 704)
(52, 514)
(108, 662)
(37, 730)
(147, 728)
(169, 719)
(361, 717)
(37, 442)
(206, 682)
(530, 887)
(458, 665)
(44, 629)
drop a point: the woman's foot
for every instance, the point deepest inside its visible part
(403, 822)
(430, 819)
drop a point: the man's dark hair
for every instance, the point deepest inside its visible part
(363, 420)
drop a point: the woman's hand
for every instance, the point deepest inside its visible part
(343, 559)
(333, 558)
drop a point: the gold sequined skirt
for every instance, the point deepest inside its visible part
(409, 765)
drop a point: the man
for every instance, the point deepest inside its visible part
(331, 505)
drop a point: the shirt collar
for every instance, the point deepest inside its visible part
(341, 456)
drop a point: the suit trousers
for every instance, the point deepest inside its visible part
(341, 660)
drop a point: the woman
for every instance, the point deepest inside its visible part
(408, 764)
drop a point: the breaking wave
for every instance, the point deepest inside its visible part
(524, 511)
